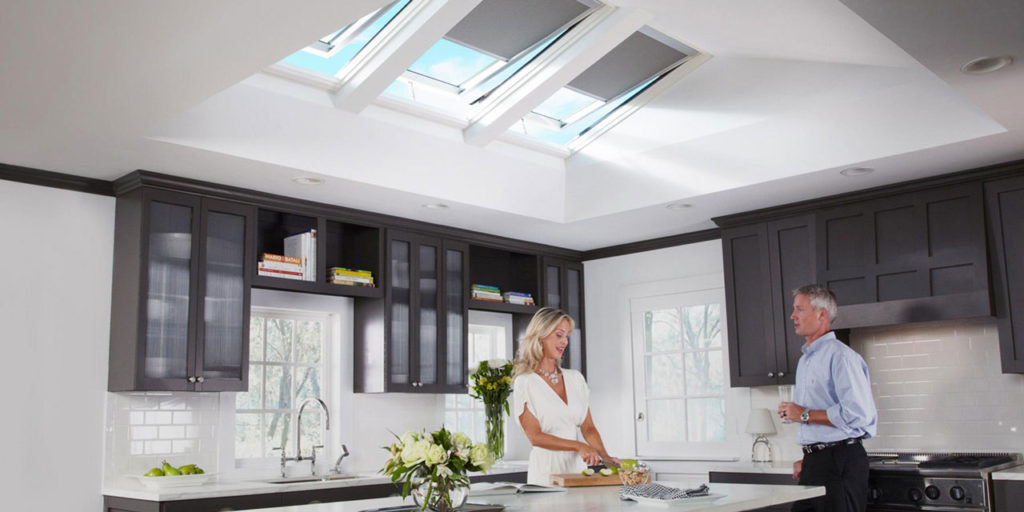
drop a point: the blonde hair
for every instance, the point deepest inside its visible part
(531, 350)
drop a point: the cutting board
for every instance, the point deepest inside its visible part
(578, 480)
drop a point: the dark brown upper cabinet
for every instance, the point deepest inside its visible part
(509, 271)
(338, 244)
(180, 312)
(909, 257)
(563, 289)
(1005, 199)
(764, 262)
(414, 338)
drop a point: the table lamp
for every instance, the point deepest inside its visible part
(760, 424)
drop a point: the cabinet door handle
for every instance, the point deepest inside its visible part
(771, 374)
(200, 378)
(192, 379)
(640, 417)
(781, 374)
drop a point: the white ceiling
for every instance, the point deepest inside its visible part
(794, 91)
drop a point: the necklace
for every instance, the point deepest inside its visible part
(553, 376)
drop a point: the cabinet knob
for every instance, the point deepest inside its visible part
(200, 378)
(771, 374)
(191, 379)
(781, 374)
(640, 417)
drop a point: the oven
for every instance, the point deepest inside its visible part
(934, 482)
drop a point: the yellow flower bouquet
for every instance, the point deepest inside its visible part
(491, 382)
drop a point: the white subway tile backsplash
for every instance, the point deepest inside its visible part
(939, 386)
(172, 432)
(182, 417)
(158, 418)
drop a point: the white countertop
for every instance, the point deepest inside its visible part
(736, 498)
(1016, 473)
(128, 487)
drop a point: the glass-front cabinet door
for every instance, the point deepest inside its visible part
(563, 289)
(167, 308)
(427, 326)
(222, 344)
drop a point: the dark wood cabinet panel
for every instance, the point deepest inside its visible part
(792, 265)
(905, 258)
(180, 310)
(748, 306)
(1005, 200)
(563, 289)
(1007, 495)
(726, 477)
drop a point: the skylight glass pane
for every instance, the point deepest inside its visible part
(564, 103)
(451, 63)
(331, 65)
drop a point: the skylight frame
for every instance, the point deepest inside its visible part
(346, 35)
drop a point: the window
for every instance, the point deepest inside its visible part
(680, 375)
(330, 54)
(490, 337)
(286, 366)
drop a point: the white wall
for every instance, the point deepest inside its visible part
(609, 283)
(55, 270)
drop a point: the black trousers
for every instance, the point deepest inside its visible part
(843, 470)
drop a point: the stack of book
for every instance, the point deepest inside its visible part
(486, 292)
(303, 246)
(278, 265)
(524, 299)
(342, 275)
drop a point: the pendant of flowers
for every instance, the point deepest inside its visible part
(435, 466)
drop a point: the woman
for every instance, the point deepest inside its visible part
(551, 402)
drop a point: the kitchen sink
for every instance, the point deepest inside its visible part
(305, 479)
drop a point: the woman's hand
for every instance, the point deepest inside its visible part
(611, 462)
(588, 454)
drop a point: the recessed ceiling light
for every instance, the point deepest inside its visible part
(435, 206)
(856, 171)
(308, 180)
(678, 206)
(986, 65)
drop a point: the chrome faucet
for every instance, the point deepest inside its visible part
(337, 464)
(298, 438)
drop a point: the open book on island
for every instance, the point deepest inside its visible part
(495, 488)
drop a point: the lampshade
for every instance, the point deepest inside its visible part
(760, 422)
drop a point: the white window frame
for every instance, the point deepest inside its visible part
(328, 368)
(488, 319)
(737, 400)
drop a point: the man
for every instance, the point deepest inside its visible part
(832, 401)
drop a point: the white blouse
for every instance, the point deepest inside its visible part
(556, 418)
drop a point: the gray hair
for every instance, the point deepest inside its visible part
(821, 298)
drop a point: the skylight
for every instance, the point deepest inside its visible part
(487, 47)
(329, 55)
(613, 81)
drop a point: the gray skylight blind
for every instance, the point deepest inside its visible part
(633, 61)
(504, 28)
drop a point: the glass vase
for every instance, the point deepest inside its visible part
(496, 429)
(440, 495)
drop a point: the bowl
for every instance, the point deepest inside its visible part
(638, 475)
(164, 482)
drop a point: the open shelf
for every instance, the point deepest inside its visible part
(501, 307)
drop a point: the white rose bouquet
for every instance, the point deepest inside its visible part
(436, 464)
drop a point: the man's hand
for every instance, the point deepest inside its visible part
(790, 411)
(797, 467)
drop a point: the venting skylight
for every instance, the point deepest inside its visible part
(596, 94)
(330, 54)
(487, 47)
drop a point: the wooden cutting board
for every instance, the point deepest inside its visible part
(578, 480)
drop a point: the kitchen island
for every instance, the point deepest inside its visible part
(733, 498)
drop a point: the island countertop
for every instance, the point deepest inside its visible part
(735, 498)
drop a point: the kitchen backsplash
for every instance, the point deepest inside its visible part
(142, 429)
(938, 386)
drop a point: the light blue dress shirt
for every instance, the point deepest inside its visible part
(833, 377)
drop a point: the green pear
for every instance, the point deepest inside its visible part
(170, 470)
(188, 469)
(155, 472)
(199, 470)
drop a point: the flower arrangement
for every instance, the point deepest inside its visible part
(435, 466)
(492, 383)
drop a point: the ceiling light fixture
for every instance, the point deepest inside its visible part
(856, 171)
(435, 206)
(984, 65)
(308, 180)
(678, 206)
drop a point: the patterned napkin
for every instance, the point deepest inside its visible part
(661, 492)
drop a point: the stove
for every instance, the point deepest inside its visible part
(938, 482)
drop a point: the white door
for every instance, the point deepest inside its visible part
(680, 374)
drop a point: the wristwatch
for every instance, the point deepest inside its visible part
(805, 417)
